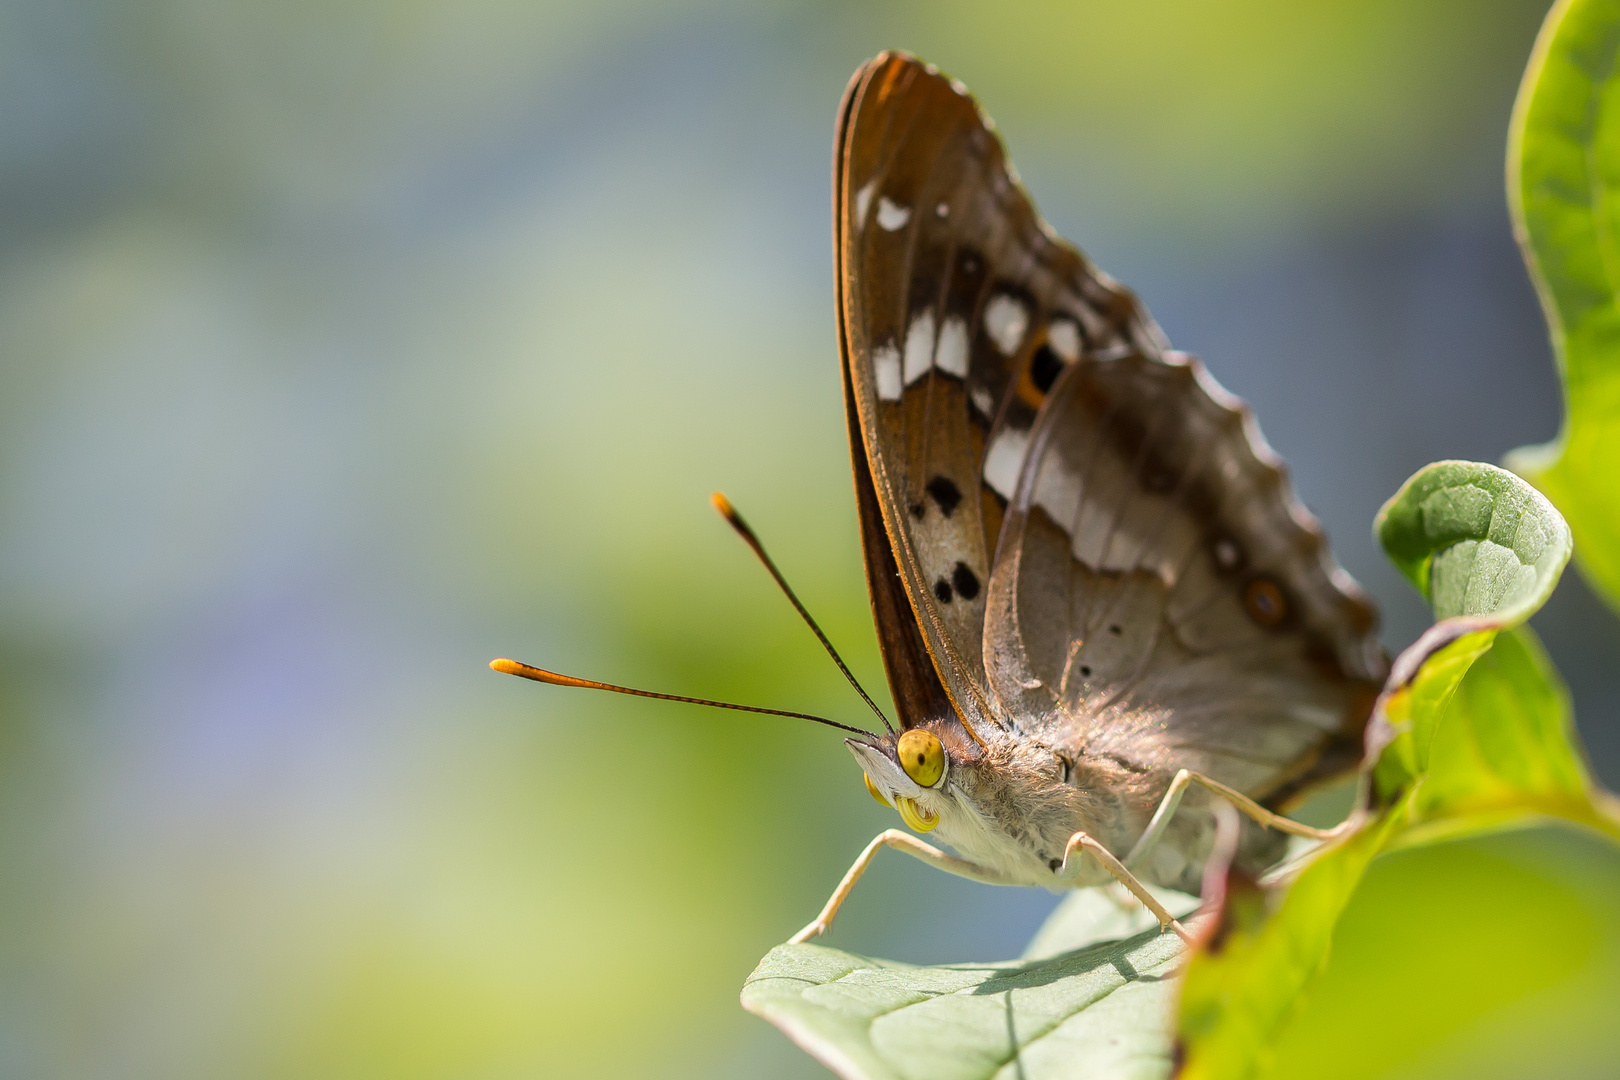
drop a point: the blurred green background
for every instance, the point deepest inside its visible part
(347, 345)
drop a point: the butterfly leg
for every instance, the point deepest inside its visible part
(1081, 842)
(900, 841)
(1186, 778)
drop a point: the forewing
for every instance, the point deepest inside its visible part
(957, 309)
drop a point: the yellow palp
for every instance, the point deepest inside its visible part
(914, 818)
(873, 788)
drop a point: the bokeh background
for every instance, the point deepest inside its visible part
(347, 345)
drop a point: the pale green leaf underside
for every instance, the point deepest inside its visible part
(1476, 540)
(1487, 549)
(1103, 1009)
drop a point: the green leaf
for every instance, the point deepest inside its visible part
(1490, 958)
(1475, 540)
(1464, 739)
(1505, 747)
(1502, 757)
(1487, 550)
(1245, 987)
(1093, 997)
(1563, 183)
(1400, 734)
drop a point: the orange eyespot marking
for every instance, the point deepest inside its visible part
(922, 756)
(1264, 602)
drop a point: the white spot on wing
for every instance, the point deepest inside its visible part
(886, 369)
(983, 401)
(1064, 337)
(1057, 489)
(951, 356)
(890, 216)
(863, 199)
(1004, 460)
(1006, 320)
(919, 347)
(943, 209)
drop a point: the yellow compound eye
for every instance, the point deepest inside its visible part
(873, 788)
(922, 756)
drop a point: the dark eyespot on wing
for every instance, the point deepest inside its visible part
(1045, 368)
(1054, 864)
(946, 495)
(965, 580)
(1264, 601)
(942, 590)
(916, 510)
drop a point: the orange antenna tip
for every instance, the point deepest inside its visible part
(723, 504)
(526, 671)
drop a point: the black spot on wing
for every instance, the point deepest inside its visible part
(947, 496)
(1045, 368)
(942, 590)
(966, 582)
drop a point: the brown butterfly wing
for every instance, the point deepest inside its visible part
(971, 333)
(943, 270)
(1160, 599)
(918, 692)
(942, 267)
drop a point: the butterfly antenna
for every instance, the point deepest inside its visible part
(524, 671)
(734, 519)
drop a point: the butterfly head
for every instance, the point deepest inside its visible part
(908, 771)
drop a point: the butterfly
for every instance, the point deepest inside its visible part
(1101, 609)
